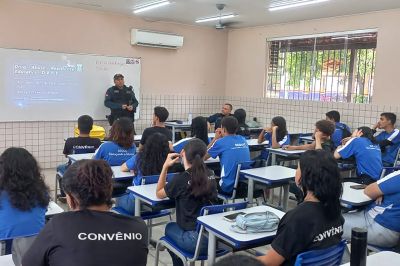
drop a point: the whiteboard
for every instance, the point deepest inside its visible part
(52, 86)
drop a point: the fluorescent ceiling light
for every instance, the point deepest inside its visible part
(215, 18)
(279, 5)
(150, 5)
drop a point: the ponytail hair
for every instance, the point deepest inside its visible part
(201, 186)
(321, 176)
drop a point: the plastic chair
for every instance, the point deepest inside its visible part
(331, 256)
(190, 258)
(231, 197)
(8, 242)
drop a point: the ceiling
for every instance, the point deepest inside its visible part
(250, 12)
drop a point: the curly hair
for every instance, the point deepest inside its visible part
(90, 182)
(326, 127)
(20, 178)
(121, 132)
(151, 159)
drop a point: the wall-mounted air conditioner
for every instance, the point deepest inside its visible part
(156, 39)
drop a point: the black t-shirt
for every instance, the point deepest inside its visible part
(328, 146)
(306, 228)
(81, 145)
(89, 238)
(188, 207)
(151, 130)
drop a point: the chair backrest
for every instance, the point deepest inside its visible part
(8, 241)
(83, 150)
(322, 257)
(152, 179)
(389, 170)
(213, 209)
(240, 166)
(396, 160)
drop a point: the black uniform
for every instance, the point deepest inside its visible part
(114, 100)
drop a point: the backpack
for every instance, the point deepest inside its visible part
(256, 222)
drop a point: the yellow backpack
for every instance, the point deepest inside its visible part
(96, 132)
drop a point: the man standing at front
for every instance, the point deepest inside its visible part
(121, 100)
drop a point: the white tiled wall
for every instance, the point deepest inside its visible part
(45, 140)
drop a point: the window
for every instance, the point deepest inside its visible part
(335, 68)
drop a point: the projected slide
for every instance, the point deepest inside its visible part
(50, 86)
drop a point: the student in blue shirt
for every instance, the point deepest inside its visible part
(341, 130)
(388, 139)
(148, 161)
(367, 154)
(198, 130)
(381, 218)
(277, 135)
(231, 149)
(23, 199)
(120, 146)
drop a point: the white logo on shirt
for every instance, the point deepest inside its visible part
(106, 236)
(328, 233)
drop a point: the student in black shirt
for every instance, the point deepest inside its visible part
(243, 128)
(217, 117)
(191, 190)
(322, 135)
(316, 223)
(90, 235)
(160, 115)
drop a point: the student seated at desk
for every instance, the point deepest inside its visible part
(316, 223)
(198, 130)
(367, 154)
(191, 190)
(120, 146)
(322, 134)
(148, 161)
(23, 199)
(243, 128)
(89, 234)
(217, 117)
(388, 139)
(381, 218)
(231, 150)
(277, 136)
(341, 130)
(160, 115)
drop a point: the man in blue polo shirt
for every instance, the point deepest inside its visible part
(341, 130)
(382, 217)
(231, 149)
(366, 152)
(388, 139)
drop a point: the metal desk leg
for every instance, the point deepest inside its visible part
(212, 242)
(273, 159)
(285, 196)
(137, 207)
(250, 190)
(173, 134)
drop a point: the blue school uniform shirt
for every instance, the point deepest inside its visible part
(390, 152)
(268, 136)
(14, 222)
(368, 156)
(232, 149)
(131, 164)
(387, 213)
(337, 136)
(113, 153)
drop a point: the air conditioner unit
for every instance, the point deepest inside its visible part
(156, 39)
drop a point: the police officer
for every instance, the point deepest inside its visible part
(121, 100)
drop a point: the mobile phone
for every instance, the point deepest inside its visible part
(232, 217)
(361, 186)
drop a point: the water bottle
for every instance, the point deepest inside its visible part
(190, 117)
(358, 255)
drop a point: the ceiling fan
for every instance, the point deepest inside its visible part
(220, 25)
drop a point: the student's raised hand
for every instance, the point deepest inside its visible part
(318, 135)
(172, 158)
(275, 128)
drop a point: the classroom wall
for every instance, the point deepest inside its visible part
(196, 69)
(247, 52)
